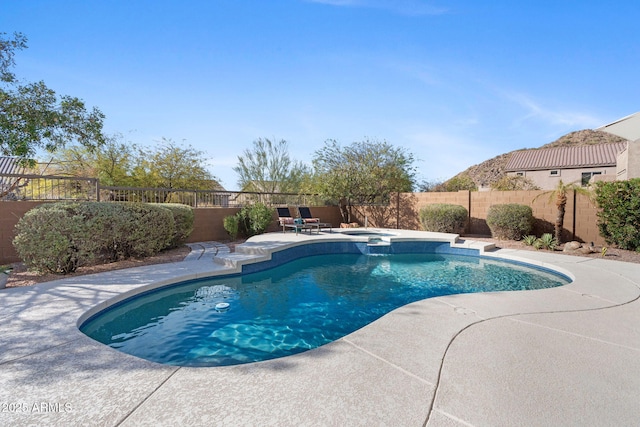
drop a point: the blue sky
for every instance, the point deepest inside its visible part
(453, 82)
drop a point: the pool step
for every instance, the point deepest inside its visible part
(378, 241)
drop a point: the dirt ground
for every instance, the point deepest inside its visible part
(20, 276)
(611, 253)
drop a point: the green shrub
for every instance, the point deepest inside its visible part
(443, 218)
(254, 219)
(619, 218)
(60, 237)
(510, 221)
(183, 218)
(55, 238)
(231, 224)
(143, 230)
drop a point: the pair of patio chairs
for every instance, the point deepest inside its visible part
(305, 221)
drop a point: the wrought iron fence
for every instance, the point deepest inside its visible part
(36, 187)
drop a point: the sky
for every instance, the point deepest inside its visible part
(453, 83)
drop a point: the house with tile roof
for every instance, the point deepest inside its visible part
(545, 167)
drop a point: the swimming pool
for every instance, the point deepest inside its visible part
(293, 307)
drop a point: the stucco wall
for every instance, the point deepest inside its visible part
(544, 180)
(10, 214)
(633, 162)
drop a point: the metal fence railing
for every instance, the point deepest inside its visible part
(42, 188)
(37, 187)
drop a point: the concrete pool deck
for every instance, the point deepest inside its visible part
(562, 356)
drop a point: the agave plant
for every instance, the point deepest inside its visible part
(547, 241)
(529, 240)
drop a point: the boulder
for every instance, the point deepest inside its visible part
(571, 246)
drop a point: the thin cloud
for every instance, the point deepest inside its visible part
(534, 111)
(403, 7)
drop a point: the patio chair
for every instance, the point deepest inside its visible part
(284, 218)
(305, 213)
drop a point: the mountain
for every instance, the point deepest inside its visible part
(490, 171)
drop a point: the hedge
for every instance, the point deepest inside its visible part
(60, 237)
(619, 218)
(510, 221)
(443, 218)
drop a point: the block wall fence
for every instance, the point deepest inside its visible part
(580, 222)
(208, 224)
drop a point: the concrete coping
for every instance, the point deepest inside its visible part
(565, 355)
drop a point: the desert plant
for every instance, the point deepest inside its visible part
(510, 221)
(55, 238)
(443, 218)
(546, 241)
(183, 218)
(254, 219)
(460, 183)
(529, 240)
(619, 217)
(5, 269)
(145, 230)
(61, 237)
(231, 224)
(514, 183)
(560, 196)
(126, 230)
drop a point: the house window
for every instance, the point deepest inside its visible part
(554, 173)
(519, 173)
(586, 177)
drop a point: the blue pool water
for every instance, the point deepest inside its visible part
(294, 307)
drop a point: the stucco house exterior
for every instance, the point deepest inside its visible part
(597, 162)
(545, 167)
(628, 162)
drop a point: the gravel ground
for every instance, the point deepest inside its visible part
(613, 254)
(21, 277)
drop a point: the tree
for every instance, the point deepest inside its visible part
(173, 166)
(514, 183)
(458, 183)
(559, 194)
(267, 168)
(33, 116)
(111, 162)
(428, 186)
(365, 172)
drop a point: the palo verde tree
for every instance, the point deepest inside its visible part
(268, 168)
(111, 162)
(171, 165)
(32, 116)
(365, 172)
